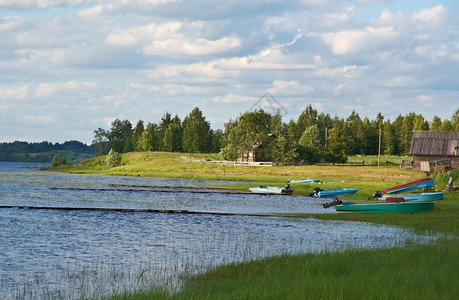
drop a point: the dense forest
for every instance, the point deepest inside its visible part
(312, 137)
(44, 152)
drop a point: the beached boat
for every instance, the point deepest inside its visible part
(271, 190)
(319, 193)
(387, 207)
(432, 196)
(410, 186)
(307, 180)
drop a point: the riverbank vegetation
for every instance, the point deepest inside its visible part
(410, 271)
(44, 152)
(313, 137)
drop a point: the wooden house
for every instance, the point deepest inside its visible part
(435, 149)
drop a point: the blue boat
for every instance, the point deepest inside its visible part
(332, 193)
(432, 196)
(415, 185)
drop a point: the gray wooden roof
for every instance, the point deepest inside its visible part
(442, 143)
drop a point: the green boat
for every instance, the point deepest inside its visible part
(386, 207)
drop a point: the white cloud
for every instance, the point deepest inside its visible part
(353, 41)
(191, 47)
(106, 59)
(432, 16)
(171, 38)
(234, 98)
(14, 93)
(38, 120)
(282, 87)
(11, 23)
(56, 89)
(30, 4)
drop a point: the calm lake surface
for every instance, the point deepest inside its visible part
(71, 254)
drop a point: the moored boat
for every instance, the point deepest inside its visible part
(431, 196)
(307, 180)
(319, 193)
(410, 186)
(271, 190)
(387, 207)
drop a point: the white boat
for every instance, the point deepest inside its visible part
(271, 190)
(307, 180)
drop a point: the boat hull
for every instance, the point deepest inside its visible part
(271, 190)
(417, 197)
(415, 185)
(334, 192)
(305, 181)
(383, 207)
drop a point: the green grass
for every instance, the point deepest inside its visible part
(383, 159)
(197, 166)
(410, 271)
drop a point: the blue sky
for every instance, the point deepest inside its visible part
(68, 67)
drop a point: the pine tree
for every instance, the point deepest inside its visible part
(196, 133)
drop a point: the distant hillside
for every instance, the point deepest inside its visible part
(43, 152)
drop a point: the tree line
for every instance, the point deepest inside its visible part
(312, 137)
(43, 151)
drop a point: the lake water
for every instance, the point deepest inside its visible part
(46, 253)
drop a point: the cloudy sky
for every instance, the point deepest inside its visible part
(68, 67)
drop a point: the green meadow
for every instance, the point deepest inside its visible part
(410, 271)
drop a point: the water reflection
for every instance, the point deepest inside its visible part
(74, 254)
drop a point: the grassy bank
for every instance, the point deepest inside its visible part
(200, 167)
(418, 272)
(407, 272)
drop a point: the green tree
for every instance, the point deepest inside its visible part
(217, 140)
(324, 123)
(121, 136)
(397, 126)
(150, 140)
(196, 133)
(101, 141)
(113, 159)
(310, 148)
(137, 136)
(356, 137)
(250, 133)
(420, 123)
(163, 124)
(336, 144)
(307, 118)
(388, 137)
(455, 120)
(407, 133)
(436, 124)
(229, 148)
(58, 160)
(282, 151)
(173, 136)
(446, 125)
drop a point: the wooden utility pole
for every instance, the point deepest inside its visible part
(379, 146)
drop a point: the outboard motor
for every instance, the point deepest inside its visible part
(377, 194)
(317, 190)
(336, 201)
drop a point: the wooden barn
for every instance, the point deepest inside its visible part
(435, 149)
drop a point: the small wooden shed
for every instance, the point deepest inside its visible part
(435, 147)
